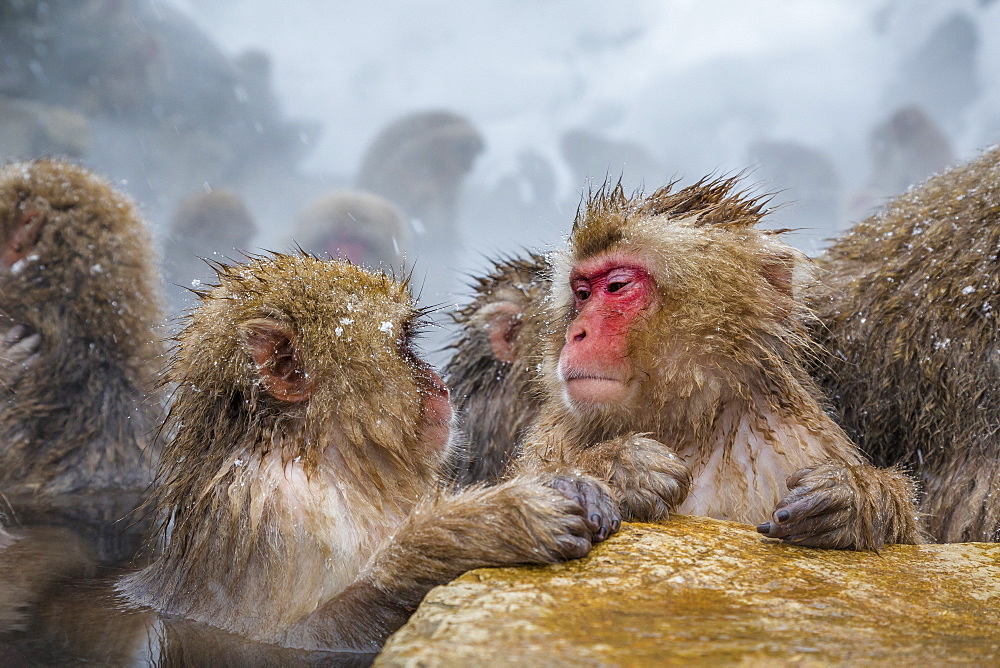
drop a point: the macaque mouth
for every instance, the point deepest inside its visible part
(590, 376)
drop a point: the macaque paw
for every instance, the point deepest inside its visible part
(18, 352)
(818, 511)
(650, 479)
(589, 515)
(599, 510)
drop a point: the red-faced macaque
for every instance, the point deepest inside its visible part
(907, 319)
(79, 299)
(301, 491)
(673, 367)
(354, 225)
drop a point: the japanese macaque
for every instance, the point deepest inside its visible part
(904, 150)
(301, 490)
(80, 299)
(672, 367)
(350, 224)
(907, 314)
(492, 372)
(419, 162)
(205, 224)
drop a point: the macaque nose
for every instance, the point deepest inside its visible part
(576, 333)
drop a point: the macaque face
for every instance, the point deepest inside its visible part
(609, 292)
(436, 407)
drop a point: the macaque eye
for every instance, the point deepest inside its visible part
(582, 294)
(616, 286)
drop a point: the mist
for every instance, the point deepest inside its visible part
(564, 96)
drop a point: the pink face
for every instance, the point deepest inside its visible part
(609, 293)
(436, 428)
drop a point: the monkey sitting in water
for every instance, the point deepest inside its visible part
(672, 368)
(300, 493)
(78, 284)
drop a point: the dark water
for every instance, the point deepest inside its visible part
(58, 607)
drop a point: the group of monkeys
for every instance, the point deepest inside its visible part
(310, 483)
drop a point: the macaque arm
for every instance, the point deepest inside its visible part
(646, 478)
(847, 506)
(526, 520)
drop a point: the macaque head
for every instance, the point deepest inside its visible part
(354, 225)
(673, 290)
(68, 237)
(326, 350)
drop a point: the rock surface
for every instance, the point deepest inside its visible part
(702, 591)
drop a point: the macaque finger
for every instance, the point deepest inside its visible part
(21, 351)
(801, 524)
(14, 334)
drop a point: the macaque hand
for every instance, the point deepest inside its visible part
(596, 506)
(819, 511)
(18, 352)
(649, 479)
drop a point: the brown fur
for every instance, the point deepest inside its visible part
(301, 492)
(493, 372)
(77, 424)
(909, 304)
(723, 403)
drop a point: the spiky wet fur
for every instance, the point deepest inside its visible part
(909, 306)
(78, 424)
(497, 401)
(321, 523)
(722, 353)
(254, 466)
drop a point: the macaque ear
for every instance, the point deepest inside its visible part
(272, 348)
(502, 322)
(22, 238)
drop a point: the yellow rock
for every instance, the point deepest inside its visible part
(702, 591)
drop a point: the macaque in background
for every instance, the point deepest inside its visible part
(492, 372)
(419, 162)
(300, 493)
(905, 149)
(79, 294)
(361, 227)
(205, 225)
(907, 316)
(672, 365)
(592, 157)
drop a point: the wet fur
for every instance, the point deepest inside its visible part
(322, 523)
(720, 359)
(909, 303)
(78, 424)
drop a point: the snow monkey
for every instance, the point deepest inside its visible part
(672, 365)
(300, 491)
(79, 301)
(908, 311)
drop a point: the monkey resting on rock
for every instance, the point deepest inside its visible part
(672, 368)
